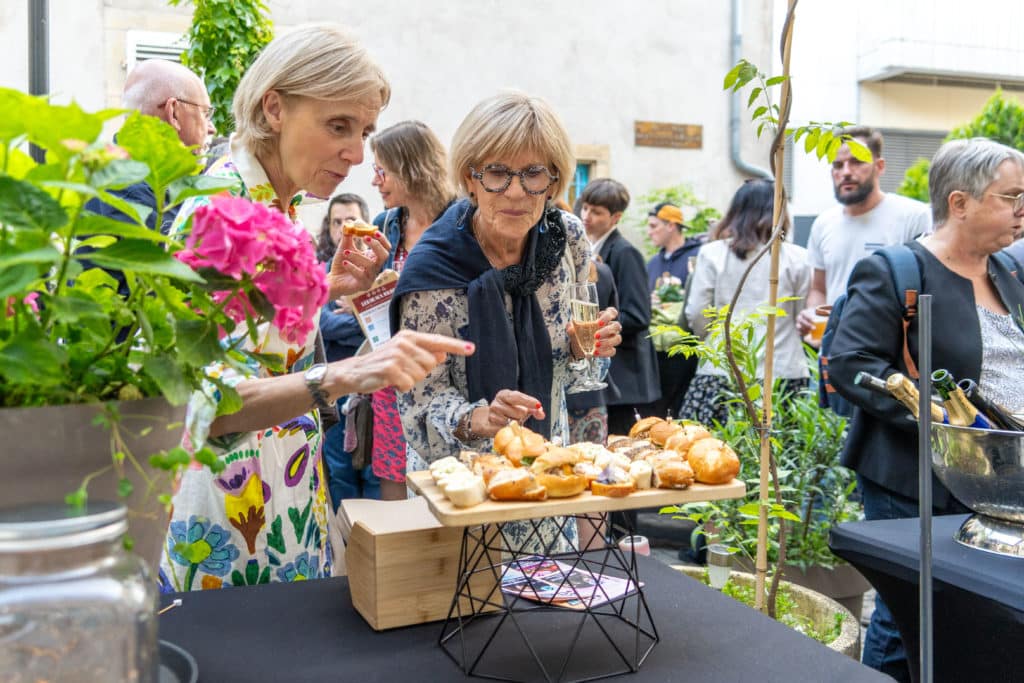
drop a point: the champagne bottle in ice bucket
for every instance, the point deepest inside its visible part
(999, 416)
(961, 412)
(901, 388)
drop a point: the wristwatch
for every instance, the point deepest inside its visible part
(314, 377)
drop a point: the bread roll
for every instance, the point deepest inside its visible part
(673, 474)
(554, 471)
(690, 434)
(642, 427)
(516, 442)
(660, 432)
(612, 490)
(446, 478)
(588, 451)
(713, 461)
(588, 470)
(515, 484)
(641, 473)
(465, 492)
(614, 438)
(488, 465)
(446, 465)
(358, 228)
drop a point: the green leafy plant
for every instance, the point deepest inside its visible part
(787, 610)
(224, 39)
(821, 138)
(69, 331)
(683, 196)
(1001, 119)
(815, 490)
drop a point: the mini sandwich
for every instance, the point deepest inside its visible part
(641, 428)
(488, 465)
(518, 444)
(516, 484)
(554, 471)
(465, 490)
(682, 440)
(614, 482)
(672, 474)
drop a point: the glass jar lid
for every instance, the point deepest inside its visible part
(42, 526)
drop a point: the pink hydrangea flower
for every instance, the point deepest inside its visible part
(250, 242)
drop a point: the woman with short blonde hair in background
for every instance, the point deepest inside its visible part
(410, 172)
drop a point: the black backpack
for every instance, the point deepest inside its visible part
(906, 278)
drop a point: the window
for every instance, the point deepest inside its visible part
(143, 45)
(580, 179)
(901, 148)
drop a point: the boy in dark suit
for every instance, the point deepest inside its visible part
(634, 368)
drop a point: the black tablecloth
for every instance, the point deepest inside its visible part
(978, 622)
(310, 632)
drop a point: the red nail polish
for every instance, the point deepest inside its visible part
(600, 323)
(346, 252)
(469, 347)
(597, 345)
(537, 407)
(379, 236)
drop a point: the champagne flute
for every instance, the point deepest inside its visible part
(585, 311)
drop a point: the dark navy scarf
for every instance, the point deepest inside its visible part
(510, 353)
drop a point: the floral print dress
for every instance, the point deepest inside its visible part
(432, 409)
(264, 518)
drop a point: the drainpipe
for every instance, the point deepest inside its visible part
(734, 103)
(38, 58)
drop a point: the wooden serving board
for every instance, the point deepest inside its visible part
(491, 511)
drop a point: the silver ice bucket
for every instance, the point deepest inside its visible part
(984, 469)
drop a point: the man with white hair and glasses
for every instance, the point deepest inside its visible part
(175, 95)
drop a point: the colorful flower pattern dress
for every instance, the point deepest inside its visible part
(264, 518)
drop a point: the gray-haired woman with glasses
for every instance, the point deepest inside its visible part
(977, 198)
(495, 269)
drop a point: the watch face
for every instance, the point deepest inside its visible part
(316, 373)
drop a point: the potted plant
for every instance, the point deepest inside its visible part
(812, 491)
(94, 372)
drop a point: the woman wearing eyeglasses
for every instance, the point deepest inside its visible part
(410, 172)
(495, 269)
(977, 199)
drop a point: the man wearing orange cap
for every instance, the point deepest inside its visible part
(665, 229)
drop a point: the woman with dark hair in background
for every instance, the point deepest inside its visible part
(410, 171)
(743, 231)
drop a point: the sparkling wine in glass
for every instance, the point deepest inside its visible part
(585, 311)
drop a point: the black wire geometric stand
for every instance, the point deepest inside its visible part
(572, 628)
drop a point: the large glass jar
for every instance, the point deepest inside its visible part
(74, 606)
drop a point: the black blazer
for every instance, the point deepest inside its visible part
(882, 441)
(634, 368)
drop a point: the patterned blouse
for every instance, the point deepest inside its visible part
(264, 518)
(432, 409)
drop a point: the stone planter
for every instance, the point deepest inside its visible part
(51, 449)
(819, 609)
(843, 583)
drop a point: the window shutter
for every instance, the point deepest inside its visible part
(901, 148)
(143, 45)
